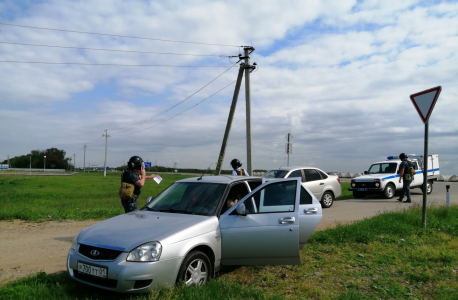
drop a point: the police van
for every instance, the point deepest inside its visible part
(383, 177)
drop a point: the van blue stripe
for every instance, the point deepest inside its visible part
(418, 172)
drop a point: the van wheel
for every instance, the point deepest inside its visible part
(196, 269)
(429, 187)
(389, 191)
(357, 195)
(327, 200)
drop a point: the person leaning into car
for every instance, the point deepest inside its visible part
(136, 175)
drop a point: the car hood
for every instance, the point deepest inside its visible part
(127, 231)
(371, 177)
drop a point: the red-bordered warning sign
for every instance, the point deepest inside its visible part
(424, 102)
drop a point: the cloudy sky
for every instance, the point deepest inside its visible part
(157, 75)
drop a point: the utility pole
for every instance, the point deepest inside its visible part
(106, 144)
(8, 157)
(229, 119)
(74, 162)
(248, 69)
(84, 161)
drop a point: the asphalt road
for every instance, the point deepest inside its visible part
(347, 211)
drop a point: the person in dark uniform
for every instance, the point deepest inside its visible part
(237, 170)
(134, 174)
(407, 179)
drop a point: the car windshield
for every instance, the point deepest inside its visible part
(276, 174)
(189, 198)
(383, 168)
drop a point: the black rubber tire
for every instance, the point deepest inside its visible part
(429, 187)
(358, 195)
(327, 199)
(196, 269)
(389, 191)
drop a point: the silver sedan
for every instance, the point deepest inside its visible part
(324, 186)
(192, 229)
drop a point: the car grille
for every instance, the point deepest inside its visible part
(109, 283)
(104, 254)
(364, 184)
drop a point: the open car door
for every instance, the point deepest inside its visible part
(263, 227)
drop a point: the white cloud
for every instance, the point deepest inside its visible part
(338, 79)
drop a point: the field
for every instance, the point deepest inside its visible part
(389, 256)
(88, 196)
(78, 197)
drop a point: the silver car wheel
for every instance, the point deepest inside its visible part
(327, 199)
(196, 273)
(195, 270)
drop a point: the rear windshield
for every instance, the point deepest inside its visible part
(276, 174)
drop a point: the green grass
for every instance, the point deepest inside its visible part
(77, 197)
(346, 194)
(389, 256)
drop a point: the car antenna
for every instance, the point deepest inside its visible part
(200, 178)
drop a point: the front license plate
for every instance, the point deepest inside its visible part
(92, 270)
(362, 190)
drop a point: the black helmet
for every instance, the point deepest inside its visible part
(135, 162)
(235, 163)
(402, 156)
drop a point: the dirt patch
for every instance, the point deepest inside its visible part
(27, 248)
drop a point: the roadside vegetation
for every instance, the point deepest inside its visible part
(389, 256)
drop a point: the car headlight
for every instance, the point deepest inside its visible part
(146, 252)
(75, 241)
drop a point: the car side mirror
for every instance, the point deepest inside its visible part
(149, 199)
(365, 172)
(241, 209)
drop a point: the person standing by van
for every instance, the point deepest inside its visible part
(407, 179)
(132, 180)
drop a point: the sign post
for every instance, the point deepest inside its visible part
(289, 146)
(424, 103)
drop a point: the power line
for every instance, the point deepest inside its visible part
(123, 36)
(180, 112)
(113, 50)
(117, 65)
(168, 109)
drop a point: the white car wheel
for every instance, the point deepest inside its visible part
(327, 199)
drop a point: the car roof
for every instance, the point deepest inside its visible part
(225, 179)
(294, 168)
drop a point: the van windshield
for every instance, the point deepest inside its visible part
(385, 168)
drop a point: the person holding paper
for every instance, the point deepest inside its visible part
(135, 176)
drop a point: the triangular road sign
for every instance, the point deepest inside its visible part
(424, 102)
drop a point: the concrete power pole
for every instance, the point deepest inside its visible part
(229, 120)
(106, 145)
(74, 162)
(248, 69)
(84, 159)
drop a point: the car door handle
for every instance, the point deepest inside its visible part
(321, 183)
(312, 210)
(287, 220)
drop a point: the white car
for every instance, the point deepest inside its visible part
(187, 233)
(324, 187)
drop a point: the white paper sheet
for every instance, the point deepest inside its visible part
(158, 179)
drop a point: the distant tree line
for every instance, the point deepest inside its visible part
(55, 159)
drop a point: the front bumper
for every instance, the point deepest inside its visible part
(124, 276)
(366, 189)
